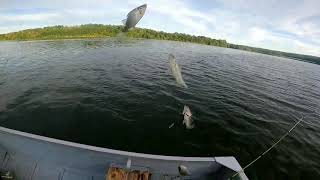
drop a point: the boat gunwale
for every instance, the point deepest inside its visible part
(105, 150)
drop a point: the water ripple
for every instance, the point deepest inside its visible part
(90, 90)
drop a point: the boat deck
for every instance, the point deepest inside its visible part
(35, 157)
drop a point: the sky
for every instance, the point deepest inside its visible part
(286, 25)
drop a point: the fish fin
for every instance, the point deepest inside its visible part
(124, 21)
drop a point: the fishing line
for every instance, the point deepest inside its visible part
(171, 125)
(265, 152)
(309, 123)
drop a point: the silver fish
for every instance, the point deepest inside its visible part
(133, 17)
(176, 71)
(187, 117)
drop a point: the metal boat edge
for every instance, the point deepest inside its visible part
(30, 156)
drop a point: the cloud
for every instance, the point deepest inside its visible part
(258, 34)
(288, 25)
(56, 4)
(302, 47)
(178, 12)
(28, 17)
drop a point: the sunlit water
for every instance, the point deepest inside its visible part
(120, 93)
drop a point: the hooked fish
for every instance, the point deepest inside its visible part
(176, 71)
(133, 17)
(187, 117)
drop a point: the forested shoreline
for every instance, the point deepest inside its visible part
(101, 31)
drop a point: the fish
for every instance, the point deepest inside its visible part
(176, 71)
(133, 17)
(187, 117)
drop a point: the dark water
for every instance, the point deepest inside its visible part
(120, 94)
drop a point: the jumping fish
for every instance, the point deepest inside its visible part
(187, 117)
(176, 71)
(133, 17)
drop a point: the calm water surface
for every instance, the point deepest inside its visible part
(119, 93)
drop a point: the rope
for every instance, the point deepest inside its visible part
(282, 137)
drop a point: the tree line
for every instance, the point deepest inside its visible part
(101, 31)
(300, 57)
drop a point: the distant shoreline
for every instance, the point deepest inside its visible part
(60, 39)
(99, 31)
(56, 39)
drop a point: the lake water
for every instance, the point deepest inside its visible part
(120, 94)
